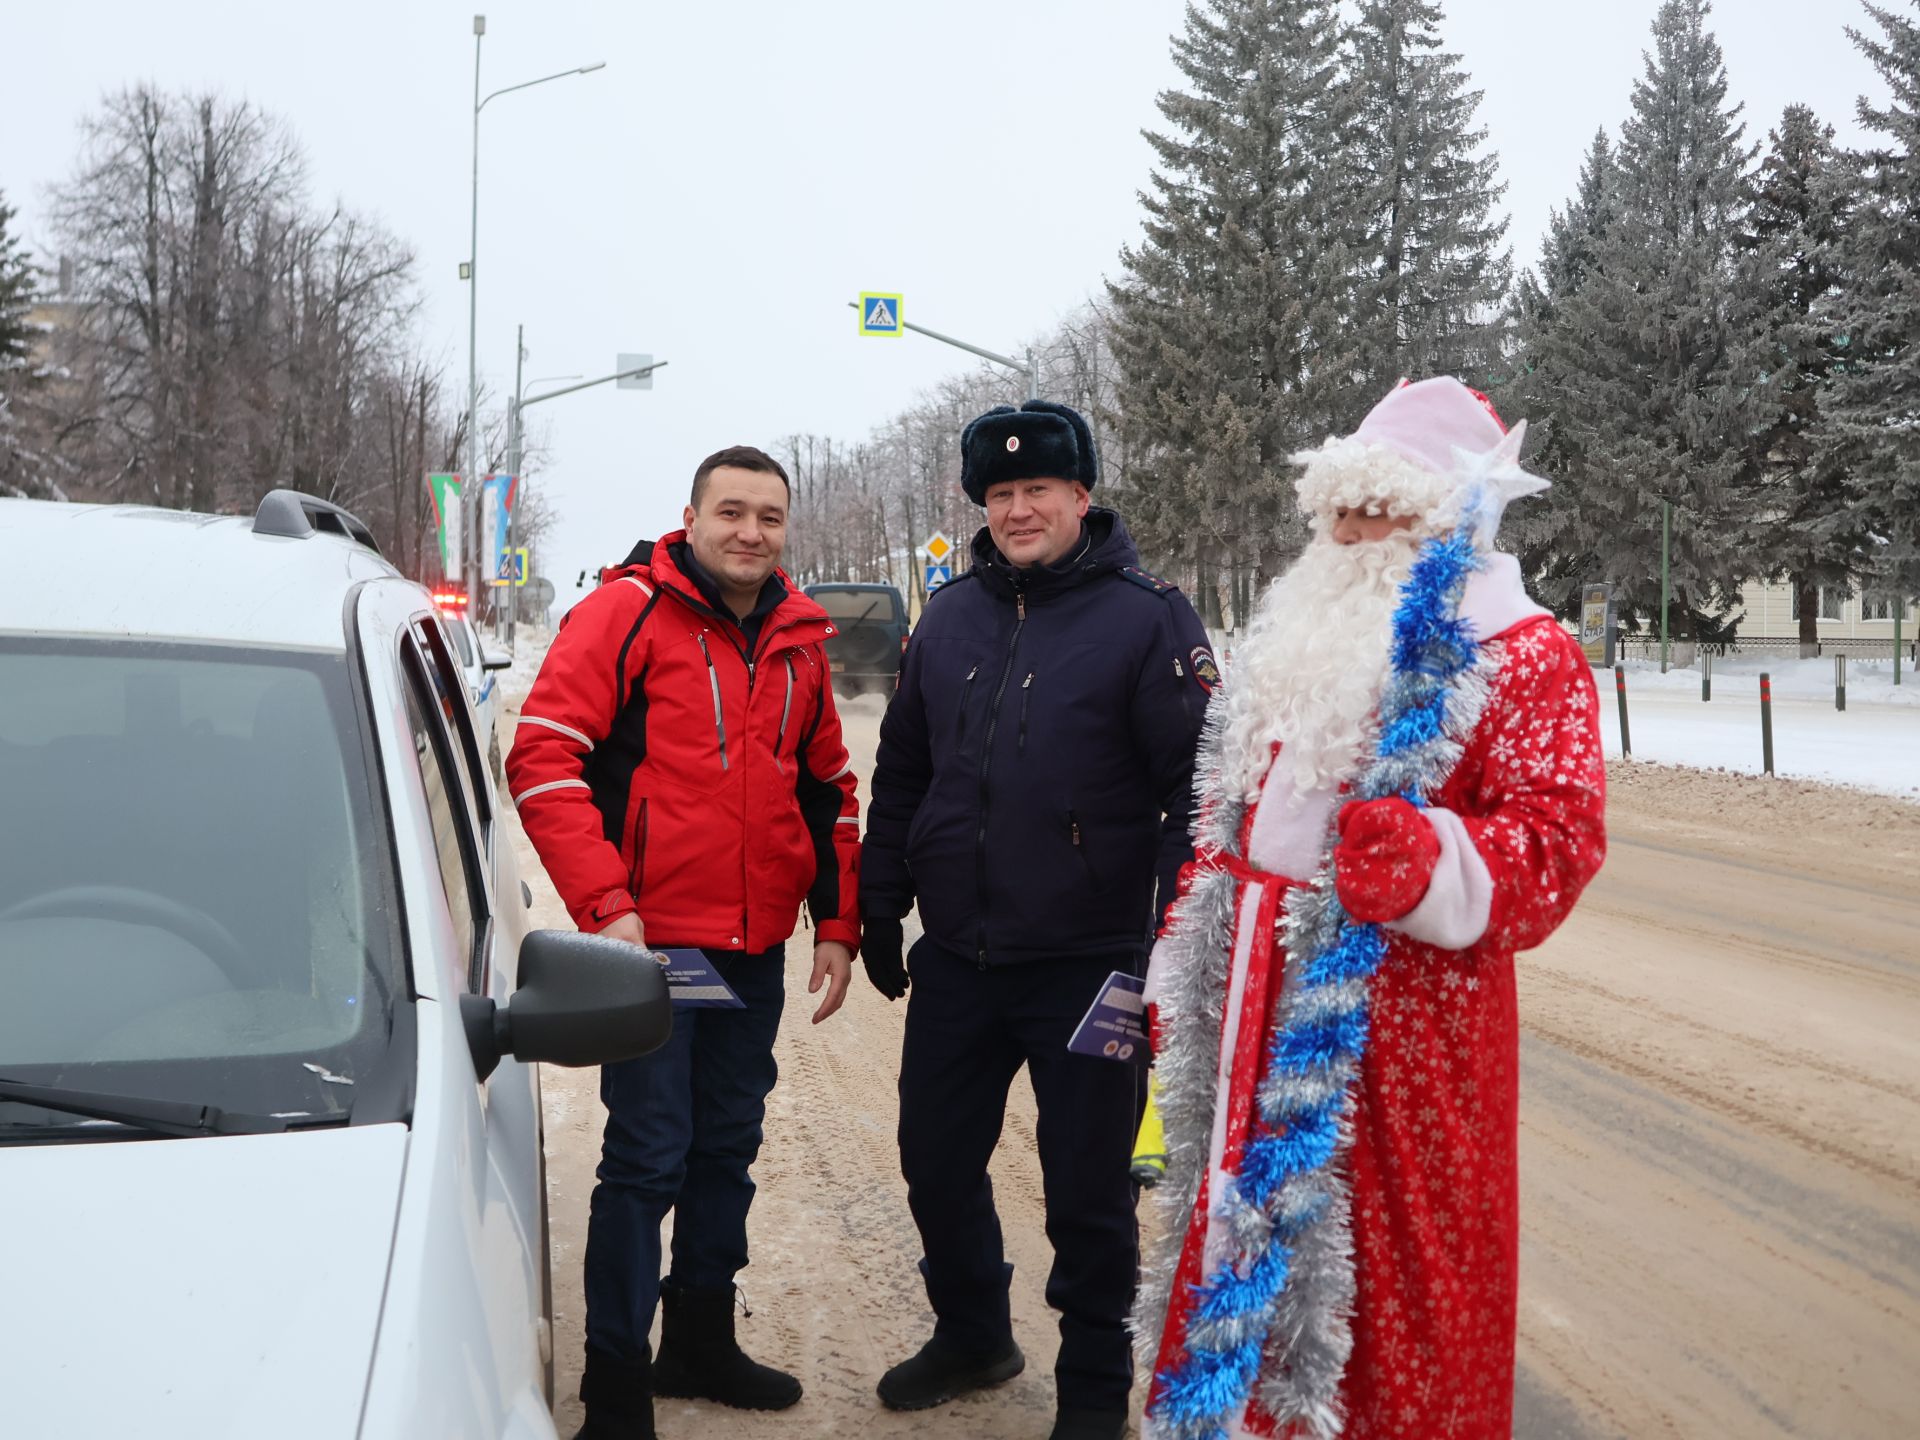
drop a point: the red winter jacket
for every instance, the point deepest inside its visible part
(659, 769)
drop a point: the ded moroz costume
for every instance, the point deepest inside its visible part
(1401, 785)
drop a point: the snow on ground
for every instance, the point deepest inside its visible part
(1874, 744)
(530, 644)
(1869, 682)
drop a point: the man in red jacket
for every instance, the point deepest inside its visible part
(679, 767)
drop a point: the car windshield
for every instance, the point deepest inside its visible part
(855, 605)
(191, 895)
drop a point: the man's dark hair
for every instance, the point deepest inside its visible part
(736, 457)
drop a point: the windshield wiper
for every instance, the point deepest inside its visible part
(162, 1117)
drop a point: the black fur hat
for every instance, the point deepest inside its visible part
(1039, 439)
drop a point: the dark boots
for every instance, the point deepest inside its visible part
(942, 1371)
(619, 1397)
(701, 1360)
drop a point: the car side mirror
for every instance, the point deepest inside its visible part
(582, 1000)
(491, 659)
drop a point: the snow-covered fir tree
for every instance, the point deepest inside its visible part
(1652, 396)
(23, 468)
(1805, 525)
(1549, 534)
(1437, 271)
(1234, 318)
(1870, 416)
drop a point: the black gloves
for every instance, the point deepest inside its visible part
(880, 952)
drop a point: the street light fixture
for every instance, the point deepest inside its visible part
(1029, 370)
(475, 461)
(630, 367)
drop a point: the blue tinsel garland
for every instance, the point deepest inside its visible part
(1298, 1135)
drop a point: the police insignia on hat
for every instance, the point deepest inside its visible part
(1040, 440)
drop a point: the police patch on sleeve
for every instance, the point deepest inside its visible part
(1204, 670)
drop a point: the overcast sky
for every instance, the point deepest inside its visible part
(739, 171)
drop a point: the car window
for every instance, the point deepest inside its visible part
(453, 838)
(193, 886)
(461, 632)
(450, 688)
(849, 606)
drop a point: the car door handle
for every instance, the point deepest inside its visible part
(526, 894)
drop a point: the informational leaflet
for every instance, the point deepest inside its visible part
(1115, 1028)
(693, 983)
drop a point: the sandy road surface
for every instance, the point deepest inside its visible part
(1720, 1151)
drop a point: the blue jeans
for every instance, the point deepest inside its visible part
(683, 1126)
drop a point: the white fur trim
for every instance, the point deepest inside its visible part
(1157, 963)
(1495, 599)
(1289, 835)
(1453, 914)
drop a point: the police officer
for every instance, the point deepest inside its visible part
(1032, 791)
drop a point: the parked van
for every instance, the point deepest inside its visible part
(870, 636)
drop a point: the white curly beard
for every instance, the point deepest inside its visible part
(1311, 667)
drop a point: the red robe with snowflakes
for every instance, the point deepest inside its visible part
(1432, 1165)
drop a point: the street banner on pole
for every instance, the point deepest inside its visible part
(445, 493)
(496, 497)
(879, 314)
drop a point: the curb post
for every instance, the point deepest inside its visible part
(1620, 689)
(1766, 720)
(1840, 682)
(1706, 675)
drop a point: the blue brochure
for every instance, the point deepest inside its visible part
(693, 983)
(1116, 1027)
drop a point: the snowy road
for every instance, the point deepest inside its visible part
(1720, 1150)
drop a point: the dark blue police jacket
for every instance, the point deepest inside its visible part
(1035, 774)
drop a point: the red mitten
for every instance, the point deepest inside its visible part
(1384, 860)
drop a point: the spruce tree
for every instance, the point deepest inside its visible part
(1868, 415)
(16, 296)
(21, 466)
(1654, 398)
(1436, 272)
(1554, 538)
(1233, 321)
(1805, 525)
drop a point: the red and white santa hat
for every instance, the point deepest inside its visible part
(1435, 450)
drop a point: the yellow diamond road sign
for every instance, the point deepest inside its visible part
(938, 547)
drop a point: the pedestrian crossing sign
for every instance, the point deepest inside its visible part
(938, 575)
(879, 314)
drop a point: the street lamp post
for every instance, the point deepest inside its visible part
(516, 451)
(475, 460)
(1028, 370)
(518, 409)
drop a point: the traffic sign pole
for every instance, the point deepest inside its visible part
(900, 324)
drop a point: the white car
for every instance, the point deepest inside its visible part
(270, 1130)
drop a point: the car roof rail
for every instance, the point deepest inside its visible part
(296, 516)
